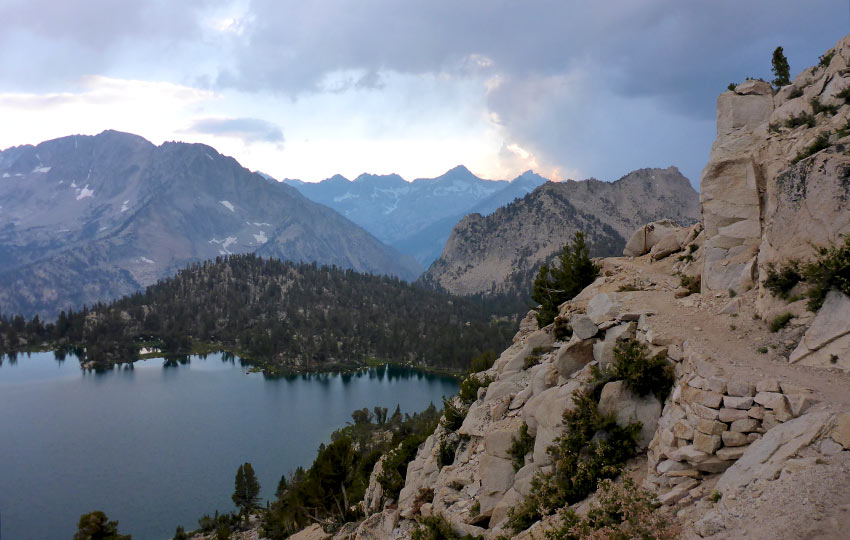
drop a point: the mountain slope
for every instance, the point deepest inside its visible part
(84, 219)
(501, 252)
(415, 217)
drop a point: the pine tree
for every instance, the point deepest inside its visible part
(554, 286)
(781, 69)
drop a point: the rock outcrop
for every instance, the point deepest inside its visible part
(768, 195)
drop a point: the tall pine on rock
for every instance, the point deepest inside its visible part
(554, 286)
(246, 490)
(781, 69)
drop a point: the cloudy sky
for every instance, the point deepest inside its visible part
(305, 90)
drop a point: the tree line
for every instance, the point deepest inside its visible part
(281, 316)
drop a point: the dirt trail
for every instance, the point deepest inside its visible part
(731, 342)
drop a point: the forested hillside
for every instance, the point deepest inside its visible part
(281, 316)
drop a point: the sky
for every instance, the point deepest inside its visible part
(567, 88)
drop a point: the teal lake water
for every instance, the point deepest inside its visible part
(158, 446)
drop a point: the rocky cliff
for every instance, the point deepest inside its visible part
(500, 252)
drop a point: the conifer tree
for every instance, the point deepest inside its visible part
(246, 490)
(781, 69)
(554, 286)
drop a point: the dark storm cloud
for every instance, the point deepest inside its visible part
(599, 86)
(247, 129)
(679, 50)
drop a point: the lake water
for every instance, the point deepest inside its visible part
(155, 447)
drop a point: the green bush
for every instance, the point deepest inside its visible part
(844, 130)
(562, 330)
(820, 143)
(468, 392)
(641, 373)
(780, 282)
(825, 59)
(593, 447)
(554, 286)
(438, 528)
(802, 119)
(693, 284)
(520, 447)
(446, 454)
(831, 270)
(818, 107)
(731, 87)
(844, 94)
(453, 415)
(795, 93)
(623, 512)
(780, 321)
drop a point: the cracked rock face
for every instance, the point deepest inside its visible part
(763, 201)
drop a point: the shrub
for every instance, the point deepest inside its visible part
(562, 330)
(820, 143)
(844, 130)
(733, 293)
(475, 509)
(780, 321)
(830, 270)
(818, 107)
(731, 87)
(780, 68)
(642, 374)
(593, 447)
(620, 513)
(446, 455)
(468, 392)
(693, 284)
(825, 59)
(554, 286)
(520, 447)
(795, 93)
(534, 357)
(780, 282)
(801, 119)
(437, 528)
(453, 415)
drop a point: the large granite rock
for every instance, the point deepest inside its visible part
(827, 341)
(765, 457)
(645, 237)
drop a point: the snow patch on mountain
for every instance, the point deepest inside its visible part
(84, 193)
(42, 169)
(227, 205)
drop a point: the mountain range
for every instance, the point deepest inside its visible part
(415, 217)
(501, 252)
(91, 218)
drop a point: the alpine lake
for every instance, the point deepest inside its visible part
(158, 445)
